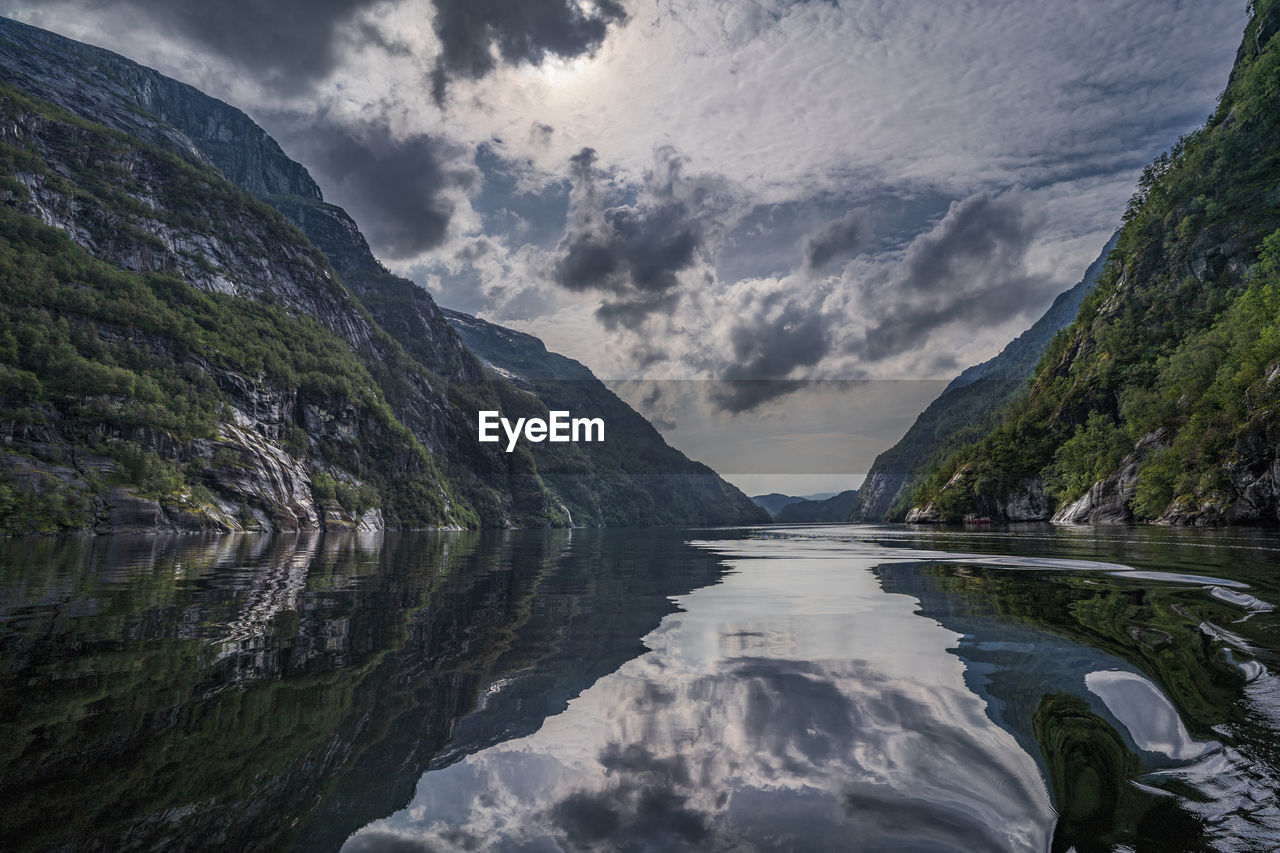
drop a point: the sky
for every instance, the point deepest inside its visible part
(776, 194)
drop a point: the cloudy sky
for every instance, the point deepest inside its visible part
(727, 189)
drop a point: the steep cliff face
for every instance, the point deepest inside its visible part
(966, 409)
(404, 310)
(1161, 402)
(221, 350)
(634, 476)
(135, 402)
(286, 327)
(122, 95)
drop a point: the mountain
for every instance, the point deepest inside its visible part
(835, 508)
(965, 410)
(191, 339)
(1161, 402)
(773, 502)
(634, 477)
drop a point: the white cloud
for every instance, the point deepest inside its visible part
(814, 105)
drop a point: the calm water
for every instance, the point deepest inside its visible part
(864, 688)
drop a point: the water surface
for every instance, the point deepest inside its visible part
(831, 687)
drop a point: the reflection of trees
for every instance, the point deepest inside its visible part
(240, 690)
(1164, 630)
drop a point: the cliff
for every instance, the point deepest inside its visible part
(193, 340)
(634, 477)
(966, 409)
(1161, 402)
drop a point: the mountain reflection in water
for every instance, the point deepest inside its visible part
(829, 687)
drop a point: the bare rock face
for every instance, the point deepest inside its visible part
(1025, 503)
(337, 518)
(269, 477)
(216, 243)
(124, 96)
(405, 310)
(1106, 502)
(125, 511)
(876, 494)
(927, 514)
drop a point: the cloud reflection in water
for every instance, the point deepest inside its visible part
(803, 708)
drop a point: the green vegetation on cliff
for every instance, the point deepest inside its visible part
(102, 357)
(967, 409)
(193, 340)
(119, 371)
(1165, 388)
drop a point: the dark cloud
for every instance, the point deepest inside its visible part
(471, 32)
(978, 236)
(587, 818)
(798, 335)
(837, 239)
(771, 335)
(291, 44)
(396, 188)
(646, 807)
(792, 710)
(631, 312)
(288, 43)
(635, 760)
(968, 270)
(632, 253)
(735, 396)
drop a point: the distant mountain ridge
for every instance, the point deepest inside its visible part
(835, 508)
(773, 502)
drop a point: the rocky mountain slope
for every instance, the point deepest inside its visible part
(1161, 402)
(634, 477)
(192, 339)
(966, 409)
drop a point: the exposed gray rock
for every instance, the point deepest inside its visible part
(927, 514)
(1252, 491)
(1106, 502)
(1025, 503)
(125, 96)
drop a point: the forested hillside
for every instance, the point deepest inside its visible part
(967, 409)
(193, 340)
(1162, 400)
